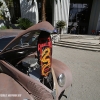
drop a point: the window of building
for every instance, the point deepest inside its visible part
(79, 16)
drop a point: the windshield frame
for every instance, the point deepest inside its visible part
(18, 42)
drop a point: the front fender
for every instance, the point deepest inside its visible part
(60, 68)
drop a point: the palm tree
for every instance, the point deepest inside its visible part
(43, 3)
(43, 10)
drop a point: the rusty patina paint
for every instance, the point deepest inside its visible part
(9, 32)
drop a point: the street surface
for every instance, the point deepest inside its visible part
(85, 67)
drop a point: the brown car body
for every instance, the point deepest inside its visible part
(16, 85)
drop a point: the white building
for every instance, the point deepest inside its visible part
(86, 17)
(61, 10)
(29, 10)
(57, 10)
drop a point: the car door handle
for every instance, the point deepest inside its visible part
(21, 52)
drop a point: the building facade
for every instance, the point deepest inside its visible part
(29, 9)
(94, 22)
(85, 14)
(61, 12)
(82, 14)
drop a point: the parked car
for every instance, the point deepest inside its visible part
(27, 69)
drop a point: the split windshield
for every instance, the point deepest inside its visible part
(5, 41)
(28, 39)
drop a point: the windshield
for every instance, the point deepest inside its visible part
(28, 39)
(5, 41)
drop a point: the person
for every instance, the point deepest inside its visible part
(73, 30)
(93, 32)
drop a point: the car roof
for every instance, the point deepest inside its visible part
(9, 33)
(42, 26)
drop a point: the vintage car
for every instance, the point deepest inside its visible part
(27, 69)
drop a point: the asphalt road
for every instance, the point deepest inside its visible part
(85, 67)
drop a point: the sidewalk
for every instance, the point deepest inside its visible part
(83, 42)
(81, 38)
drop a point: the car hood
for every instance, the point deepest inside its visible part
(42, 26)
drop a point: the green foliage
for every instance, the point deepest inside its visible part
(1, 18)
(9, 3)
(24, 23)
(60, 24)
(3, 14)
(3, 27)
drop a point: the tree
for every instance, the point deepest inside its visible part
(43, 5)
(60, 25)
(43, 10)
(4, 14)
(43, 2)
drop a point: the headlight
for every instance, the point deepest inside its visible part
(61, 80)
